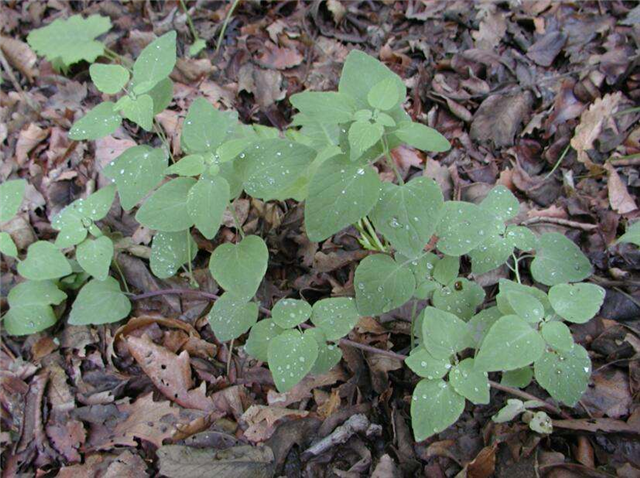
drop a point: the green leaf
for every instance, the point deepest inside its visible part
(7, 246)
(385, 120)
(384, 95)
(140, 111)
(510, 343)
(426, 365)
(435, 406)
(70, 40)
(154, 63)
(232, 148)
(94, 256)
(101, 121)
(197, 47)
(501, 203)
(191, 165)
(525, 306)
(558, 336)
(541, 423)
(632, 235)
(206, 203)
(205, 128)
(169, 251)
(166, 209)
(30, 307)
(231, 316)
(407, 215)
(507, 286)
(11, 194)
(422, 137)
(446, 269)
(382, 284)
(100, 302)
(288, 313)
(559, 260)
(521, 237)
(239, 268)
(461, 297)
(325, 107)
(44, 261)
(109, 79)
(272, 165)
(519, 378)
(97, 205)
(511, 410)
(577, 303)
(565, 375)
(361, 73)
(470, 383)
(335, 316)
(491, 254)
(363, 135)
(260, 337)
(71, 235)
(291, 357)
(340, 194)
(161, 94)
(480, 324)
(463, 227)
(329, 355)
(363, 115)
(136, 172)
(444, 334)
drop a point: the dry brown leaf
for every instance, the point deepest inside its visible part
(303, 389)
(279, 58)
(619, 198)
(386, 468)
(20, 56)
(262, 420)
(28, 139)
(493, 26)
(337, 9)
(169, 372)
(265, 85)
(499, 117)
(331, 405)
(591, 123)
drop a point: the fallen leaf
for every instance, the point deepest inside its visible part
(500, 117)
(619, 198)
(20, 56)
(279, 58)
(544, 51)
(265, 85)
(262, 420)
(27, 140)
(237, 462)
(386, 468)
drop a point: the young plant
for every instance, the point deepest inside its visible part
(328, 159)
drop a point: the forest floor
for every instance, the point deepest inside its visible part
(531, 94)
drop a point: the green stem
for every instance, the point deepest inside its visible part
(224, 26)
(515, 268)
(192, 29)
(191, 278)
(158, 129)
(373, 235)
(555, 166)
(232, 210)
(390, 160)
(124, 281)
(413, 323)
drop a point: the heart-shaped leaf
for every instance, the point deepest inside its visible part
(171, 250)
(329, 355)
(288, 313)
(435, 406)
(507, 286)
(519, 378)
(94, 256)
(525, 306)
(166, 209)
(446, 269)
(155, 63)
(382, 284)
(491, 254)
(260, 337)
(44, 262)
(500, 203)
(231, 316)
(205, 128)
(11, 194)
(30, 307)
(426, 365)
(136, 172)
(407, 215)
(109, 79)
(461, 297)
(463, 227)
(340, 194)
(240, 267)
(443, 333)
(565, 375)
(206, 203)
(101, 121)
(335, 316)
(577, 303)
(384, 95)
(291, 357)
(469, 382)
(100, 302)
(139, 110)
(510, 343)
(558, 336)
(559, 260)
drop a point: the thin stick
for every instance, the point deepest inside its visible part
(560, 222)
(351, 343)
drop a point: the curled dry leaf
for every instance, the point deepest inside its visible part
(29, 138)
(169, 372)
(20, 56)
(591, 124)
(619, 198)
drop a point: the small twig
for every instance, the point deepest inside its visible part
(350, 343)
(560, 222)
(224, 26)
(631, 160)
(555, 166)
(16, 84)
